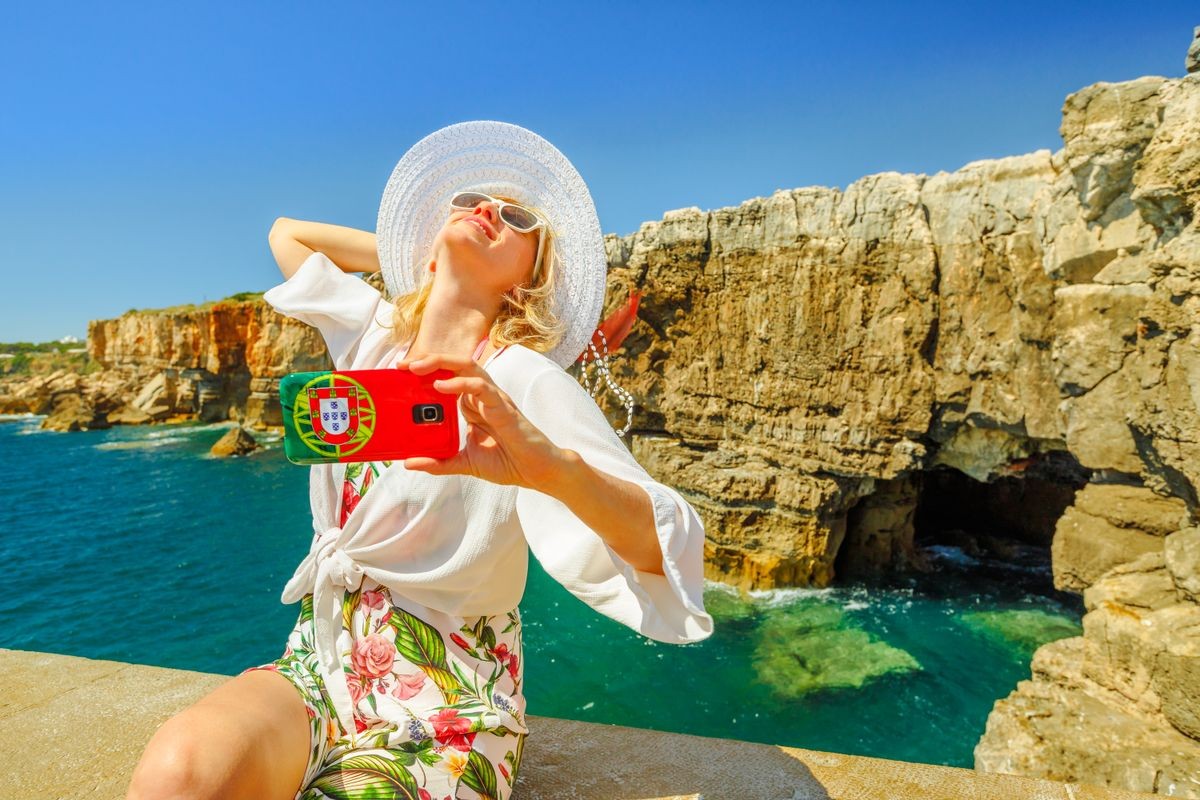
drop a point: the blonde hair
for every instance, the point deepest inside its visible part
(526, 314)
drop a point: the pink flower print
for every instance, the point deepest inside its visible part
(373, 600)
(502, 654)
(460, 641)
(407, 686)
(512, 666)
(358, 688)
(504, 771)
(373, 656)
(424, 794)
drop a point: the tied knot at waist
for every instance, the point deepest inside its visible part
(339, 569)
(326, 562)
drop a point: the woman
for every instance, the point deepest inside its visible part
(404, 671)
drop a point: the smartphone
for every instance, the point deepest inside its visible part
(367, 415)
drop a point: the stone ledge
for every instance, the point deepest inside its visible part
(74, 727)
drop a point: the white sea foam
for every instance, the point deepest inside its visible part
(141, 444)
(773, 598)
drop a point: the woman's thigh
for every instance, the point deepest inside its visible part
(248, 738)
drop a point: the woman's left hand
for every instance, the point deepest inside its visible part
(502, 445)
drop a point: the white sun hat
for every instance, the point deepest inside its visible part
(497, 158)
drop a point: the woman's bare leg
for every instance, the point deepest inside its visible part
(248, 738)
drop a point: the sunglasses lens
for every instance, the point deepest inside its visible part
(518, 218)
(467, 199)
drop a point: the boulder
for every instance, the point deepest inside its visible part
(237, 441)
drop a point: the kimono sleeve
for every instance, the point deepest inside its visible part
(336, 303)
(668, 608)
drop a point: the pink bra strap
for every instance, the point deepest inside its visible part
(479, 349)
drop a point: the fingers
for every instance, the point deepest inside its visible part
(435, 466)
(428, 363)
(480, 389)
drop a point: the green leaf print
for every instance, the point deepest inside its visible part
(423, 750)
(349, 606)
(491, 684)
(353, 470)
(480, 775)
(368, 777)
(380, 740)
(421, 644)
(306, 608)
(466, 685)
(517, 761)
(489, 637)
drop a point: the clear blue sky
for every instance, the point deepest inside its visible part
(147, 149)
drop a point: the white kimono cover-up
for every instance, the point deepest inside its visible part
(458, 544)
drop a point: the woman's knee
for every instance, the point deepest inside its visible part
(188, 758)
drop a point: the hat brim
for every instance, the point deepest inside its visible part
(497, 158)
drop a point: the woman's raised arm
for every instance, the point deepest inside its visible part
(293, 240)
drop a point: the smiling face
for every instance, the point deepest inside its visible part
(481, 245)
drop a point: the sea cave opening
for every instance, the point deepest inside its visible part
(942, 519)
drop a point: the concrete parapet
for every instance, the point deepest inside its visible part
(74, 727)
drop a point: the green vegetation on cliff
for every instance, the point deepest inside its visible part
(239, 297)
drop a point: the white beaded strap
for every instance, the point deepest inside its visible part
(593, 389)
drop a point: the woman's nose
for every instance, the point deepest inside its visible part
(489, 210)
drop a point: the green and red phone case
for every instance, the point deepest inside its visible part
(366, 415)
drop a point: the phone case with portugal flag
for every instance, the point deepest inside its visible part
(367, 415)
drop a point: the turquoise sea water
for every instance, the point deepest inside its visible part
(133, 544)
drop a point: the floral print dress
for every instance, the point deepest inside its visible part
(438, 708)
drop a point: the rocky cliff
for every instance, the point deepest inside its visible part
(819, 365)
(215, 363)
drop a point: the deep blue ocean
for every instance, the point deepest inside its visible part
(134, 544)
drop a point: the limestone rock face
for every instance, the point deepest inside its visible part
(1182, 557)
(801, 351)
(1109, 525)
(222, 362)
(1061, 723)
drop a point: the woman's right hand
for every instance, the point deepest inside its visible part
(294, 240)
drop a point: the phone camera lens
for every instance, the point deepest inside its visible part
(429, 412)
